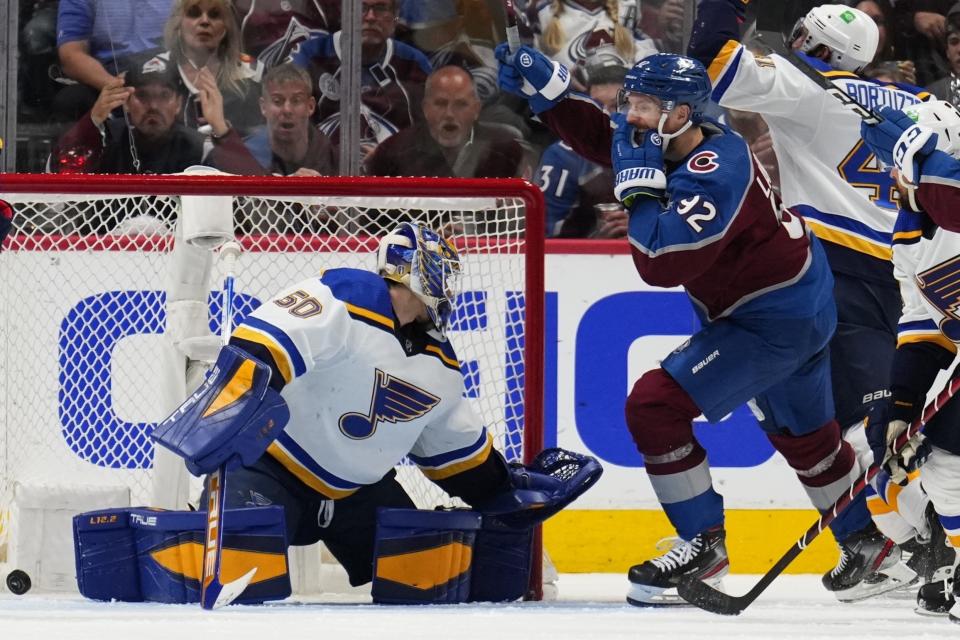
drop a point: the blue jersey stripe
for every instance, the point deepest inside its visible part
(847, 224)
(299, 366)
(451, 456)
(310, 464)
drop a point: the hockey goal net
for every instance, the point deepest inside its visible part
(101, 315)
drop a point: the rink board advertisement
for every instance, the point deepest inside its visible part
(604, 327)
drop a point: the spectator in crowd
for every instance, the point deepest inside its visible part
(289, 144)
(392, 77)
(95, 38)
(670, 26)
(563, 26)
(270, 29)
(203, 42)
(948, 87)
(450, 142)
(920, 36)
(881, 13)
(149, 137)
(572, 185)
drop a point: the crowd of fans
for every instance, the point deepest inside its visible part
(252, 87)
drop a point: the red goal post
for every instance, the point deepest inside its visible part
(87, 306)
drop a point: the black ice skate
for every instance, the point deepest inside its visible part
(704, 557)
(931, 557)
(936, 597)
(869, 565)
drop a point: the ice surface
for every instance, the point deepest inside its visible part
(590, 606)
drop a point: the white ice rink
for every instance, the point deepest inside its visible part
(590, 607)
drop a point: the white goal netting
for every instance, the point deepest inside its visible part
(99, 331)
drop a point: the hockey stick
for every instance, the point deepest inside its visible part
(214, 593)
(770, 17)
(513, 31)
(702, 595)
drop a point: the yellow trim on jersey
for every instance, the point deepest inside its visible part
(239, 384)
(954, 541)
(280, 356)
(432, 348)
(464, 465)
(936, 338)
(305, 475)
(370, 315)
(849, 240)
(907, 235)
(722, 59)
(840, 74)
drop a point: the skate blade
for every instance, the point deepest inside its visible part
(927, 613)
(892, 578)
(644, 595)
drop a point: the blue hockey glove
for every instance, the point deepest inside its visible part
(886, 420)
(554, 479)
(884, 138)
(637, 165)
(529, 73)
(230, 419)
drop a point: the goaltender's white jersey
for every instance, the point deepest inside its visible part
(827, 173)
(926, 263)
(358, 402)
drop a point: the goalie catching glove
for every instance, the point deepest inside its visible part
(554, 479)
(231, 419)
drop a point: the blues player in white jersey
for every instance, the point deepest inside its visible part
(922, 144)
(830, 177)
(361, 375)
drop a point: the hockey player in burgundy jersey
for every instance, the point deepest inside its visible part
(702, 215)
(831, 178)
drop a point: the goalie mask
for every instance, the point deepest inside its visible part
(429, 265)
(849, 34)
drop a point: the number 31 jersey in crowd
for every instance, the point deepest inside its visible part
(360, 397)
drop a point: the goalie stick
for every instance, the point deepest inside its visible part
(214, 593)
(702, 595)
(770, 17)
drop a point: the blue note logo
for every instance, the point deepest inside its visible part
(940, 285)
(393, 401)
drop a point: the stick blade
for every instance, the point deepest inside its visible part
(218, 595)
(703, 596)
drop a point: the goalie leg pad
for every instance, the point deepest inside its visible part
(502, 558)
(231, 419)
(146, 555)
(423, 557)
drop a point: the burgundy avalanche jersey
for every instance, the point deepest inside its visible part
(391, 89)
(723, 235)
(270, 29)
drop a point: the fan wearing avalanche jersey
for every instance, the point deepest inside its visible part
(6, 220)
(703, 215)
(563, 28)
(830, 177)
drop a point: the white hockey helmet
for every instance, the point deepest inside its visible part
(428, 264)
(850, 35)
(944, 119)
